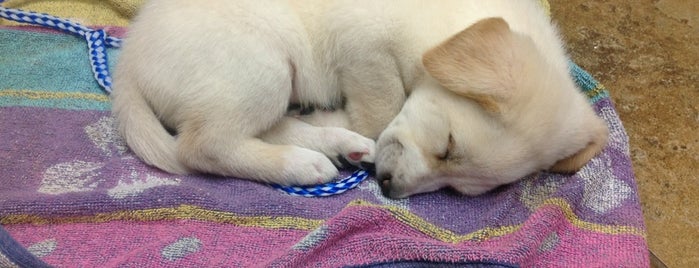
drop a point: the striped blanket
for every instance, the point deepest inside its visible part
(73, 195)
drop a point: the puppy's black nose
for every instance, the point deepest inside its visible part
(385, 183)
(369, 167)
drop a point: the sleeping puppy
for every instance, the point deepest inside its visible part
(493, 102)
(465, 94)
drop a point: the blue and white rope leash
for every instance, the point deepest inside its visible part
(97, 43)
(328, 189)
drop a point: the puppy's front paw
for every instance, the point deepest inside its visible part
(347, 148)
(307, 167)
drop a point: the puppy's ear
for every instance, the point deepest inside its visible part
(475, 63)
(575, 162)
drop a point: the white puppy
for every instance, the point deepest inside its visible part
(487, 95)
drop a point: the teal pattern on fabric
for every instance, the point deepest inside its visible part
(59, 77)
(62, 65)
(97, 39)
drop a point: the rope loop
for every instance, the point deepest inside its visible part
(328, 189)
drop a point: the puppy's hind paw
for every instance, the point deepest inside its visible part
(307, 167)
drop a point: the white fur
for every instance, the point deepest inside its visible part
(221, 73)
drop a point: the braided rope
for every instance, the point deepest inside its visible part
(98, 58)
(97, 43)
(328, 189)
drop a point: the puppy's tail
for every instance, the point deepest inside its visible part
(143, 132)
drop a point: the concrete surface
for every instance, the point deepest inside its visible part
(647, 53)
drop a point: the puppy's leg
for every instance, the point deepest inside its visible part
(216, 149)
(342, 146)
(234, 104)
(374, 94)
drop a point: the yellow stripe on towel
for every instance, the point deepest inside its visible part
(48, 95)
(92, 12)
(54, 99)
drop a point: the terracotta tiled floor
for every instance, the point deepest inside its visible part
(647, 53)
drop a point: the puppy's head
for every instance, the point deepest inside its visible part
(493, 109)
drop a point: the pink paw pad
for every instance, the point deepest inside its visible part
(356, 156)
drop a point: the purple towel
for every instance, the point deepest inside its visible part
(73, 195)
